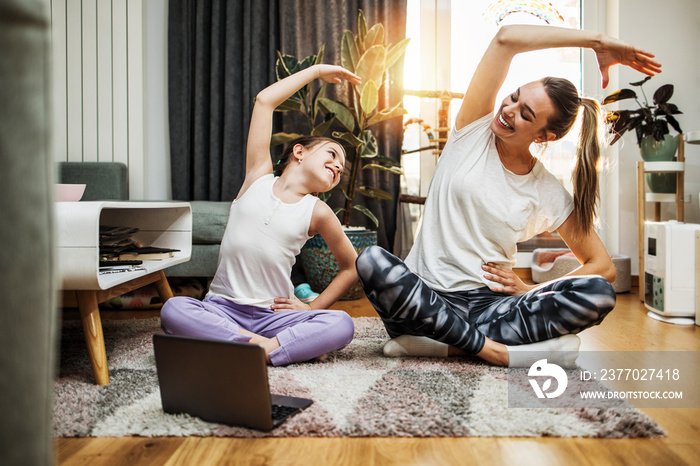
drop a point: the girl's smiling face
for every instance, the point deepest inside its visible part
(327, 159)
(523, 116)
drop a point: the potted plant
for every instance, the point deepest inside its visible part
(366, 55)
(651, 125)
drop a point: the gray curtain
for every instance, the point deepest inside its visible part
(220, 55)
(305, 25)
(28, 317)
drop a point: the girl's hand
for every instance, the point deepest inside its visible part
(511, 283)
(336, 74)
(613, 51)
(289, 304)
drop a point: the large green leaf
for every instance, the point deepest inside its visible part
(376, 166)
(387, 113)
(344, 189)
(370, 147)
(342, 112)
(306, 63)
(396, 52)
(282, 65)
(287, 65)
(367, 212)
(359, 46)
(289, 105)
(319, 56)
(314, 101)
(349, 55)
(375, 36)
(283, 138)
(375, 193)
(369, 97)
(361, 27)
(349, 137)
(321, 129)
(371, 66)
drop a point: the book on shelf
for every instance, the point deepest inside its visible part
(117, 244)
(148, 253)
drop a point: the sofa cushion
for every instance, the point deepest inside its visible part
(209, 220)
(105, 181)
(202, 263)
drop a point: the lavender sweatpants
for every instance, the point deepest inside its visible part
(303, 335)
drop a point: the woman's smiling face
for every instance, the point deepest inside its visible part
(523, 116)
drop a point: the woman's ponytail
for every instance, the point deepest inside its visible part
(568, 104)
(585, 174)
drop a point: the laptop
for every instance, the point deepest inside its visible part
(217, 381)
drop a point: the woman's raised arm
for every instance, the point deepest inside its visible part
(493, 68)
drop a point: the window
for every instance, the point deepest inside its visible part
(448, 38)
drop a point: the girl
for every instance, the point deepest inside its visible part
(251, 297)
(456, 293)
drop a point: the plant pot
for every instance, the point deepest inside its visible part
(660, 151)
(320, 267)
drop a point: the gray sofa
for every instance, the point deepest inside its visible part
(208, 224)
(109, 181)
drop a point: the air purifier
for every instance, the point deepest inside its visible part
(669, 275)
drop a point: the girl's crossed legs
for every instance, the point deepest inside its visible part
(302, 335)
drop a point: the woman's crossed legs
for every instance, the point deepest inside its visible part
(463, 319)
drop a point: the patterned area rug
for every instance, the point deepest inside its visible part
(357, 393)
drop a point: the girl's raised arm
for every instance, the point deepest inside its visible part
(489, 76)
(258, 160)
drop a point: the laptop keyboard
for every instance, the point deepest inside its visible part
(281, 412)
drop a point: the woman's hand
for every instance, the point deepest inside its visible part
(511, 283)
(613, 51)
(336, 74)
(289, 304)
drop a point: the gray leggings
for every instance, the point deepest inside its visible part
(408, 306)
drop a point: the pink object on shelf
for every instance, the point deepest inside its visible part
(69, 192)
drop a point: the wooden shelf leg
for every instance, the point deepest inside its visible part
(92, 328)
(163, 287)
(641, 218)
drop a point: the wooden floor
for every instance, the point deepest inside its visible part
(626, 328)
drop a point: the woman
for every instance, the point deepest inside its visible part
(251, 297)
(457, 292)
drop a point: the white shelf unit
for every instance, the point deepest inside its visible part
(160, 224)
(657, 198)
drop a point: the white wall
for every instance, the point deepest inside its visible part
(670, 30)
(157, 142)
(97, 84)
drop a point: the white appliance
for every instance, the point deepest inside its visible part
(669, 275)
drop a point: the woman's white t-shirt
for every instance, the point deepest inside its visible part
(477, 211)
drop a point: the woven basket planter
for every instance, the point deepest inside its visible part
(320, 267)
